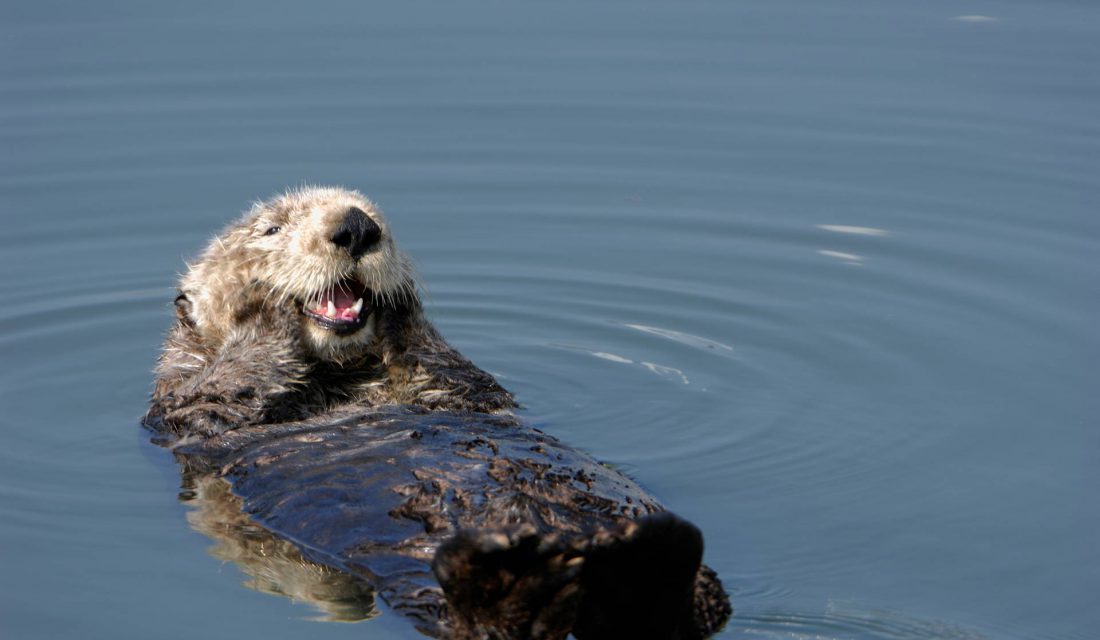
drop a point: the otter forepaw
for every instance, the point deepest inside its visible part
(206, 420)
(256, 310)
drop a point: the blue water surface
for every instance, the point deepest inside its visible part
(823, 276)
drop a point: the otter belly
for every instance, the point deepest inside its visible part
(348, 484)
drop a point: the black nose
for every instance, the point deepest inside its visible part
(357, 233)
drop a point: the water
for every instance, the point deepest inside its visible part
(822, 276)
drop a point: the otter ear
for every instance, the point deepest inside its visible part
(183, 309)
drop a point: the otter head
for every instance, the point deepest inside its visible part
(323, 253)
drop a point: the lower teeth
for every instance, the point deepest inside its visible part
(328, 309)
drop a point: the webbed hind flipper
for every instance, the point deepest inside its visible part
(639, 580)
(508, 584)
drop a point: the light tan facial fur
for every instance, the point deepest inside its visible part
(281, 250)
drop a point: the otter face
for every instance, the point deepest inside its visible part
(326, 252)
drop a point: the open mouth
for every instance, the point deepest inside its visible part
(343, 308)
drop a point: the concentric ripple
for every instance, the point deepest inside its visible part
(820, 275)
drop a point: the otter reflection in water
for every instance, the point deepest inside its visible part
(302, 373)
(273, 565)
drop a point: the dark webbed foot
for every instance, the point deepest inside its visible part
(638, 581)
(643, 579)
(508, 584)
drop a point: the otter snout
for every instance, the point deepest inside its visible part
(357, 233)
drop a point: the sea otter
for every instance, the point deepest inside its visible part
(302, 371)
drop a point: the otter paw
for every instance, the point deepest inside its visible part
(203, 419)
(638, 580)
(508, 584)
(256, 310)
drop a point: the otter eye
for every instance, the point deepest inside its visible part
(272, 231)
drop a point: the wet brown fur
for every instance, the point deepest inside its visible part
(242, 353)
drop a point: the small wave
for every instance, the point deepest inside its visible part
(661, 370)
(666, 372)
(975, 18)
(848, 258)
(612, 357)
(853, 230)
(681, 337)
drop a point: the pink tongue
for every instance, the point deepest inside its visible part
(343, 299)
